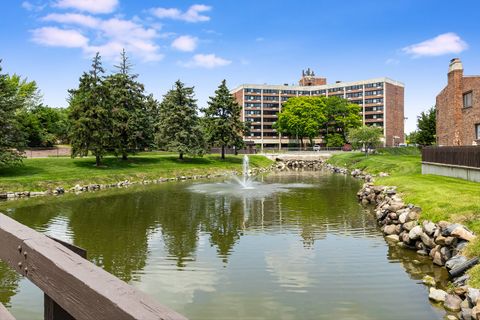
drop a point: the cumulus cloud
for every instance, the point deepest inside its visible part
(193, 13)
(185, 43)
(445, 43)
(208, 61)
(55, 37)
(112, 35)
(29, 6)
(73, 18)
(92, 6)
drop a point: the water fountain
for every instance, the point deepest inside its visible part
(245, 186)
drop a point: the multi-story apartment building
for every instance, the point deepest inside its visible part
(458, 108)
(380, 99)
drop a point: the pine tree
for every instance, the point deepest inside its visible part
(222, 122)
(11, 139)
(129, 110)
(90, 114)
(178, 129)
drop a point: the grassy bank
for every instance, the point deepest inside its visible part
(44, 173)
(441, 198)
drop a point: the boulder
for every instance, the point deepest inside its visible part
(390, 229)
(452, 303)
(462, 233)
(437, 295)
(440, 240)
(415, 233)
(438, 259)
(455, 261)
(446, 253)
(476, 312)
(429, 281)
(473, 295)
(393, 238)
(394, 206)
(429, 227)
(427, 241)
(450, 241)
(466, 314)
(409, 225)
(447, 230)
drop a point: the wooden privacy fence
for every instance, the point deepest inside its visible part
(74, 287)
(467, 156)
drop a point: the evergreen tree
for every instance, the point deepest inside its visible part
(222, 121)
(90, 114)
(13, 97)
(130, 131)
(178, 129)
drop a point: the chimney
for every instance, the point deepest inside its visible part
(455, 64)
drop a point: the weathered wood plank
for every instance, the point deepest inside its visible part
(4, 314)
(78, 286)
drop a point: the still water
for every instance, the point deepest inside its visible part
(299, 247)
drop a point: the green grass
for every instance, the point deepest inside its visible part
(441, 198)
(45, 173)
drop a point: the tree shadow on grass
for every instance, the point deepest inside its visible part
(20, 171)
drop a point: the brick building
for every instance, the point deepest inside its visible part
(458, 108)
(381, 101)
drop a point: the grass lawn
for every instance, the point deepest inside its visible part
(43, 173)
(441, 198)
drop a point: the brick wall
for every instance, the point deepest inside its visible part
(394, 120)
(456, 124)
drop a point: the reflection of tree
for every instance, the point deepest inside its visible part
(8, 283)
(37, 216)
(114, 231)
(224, 222)
(179, 216)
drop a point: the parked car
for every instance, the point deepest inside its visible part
(316, 147)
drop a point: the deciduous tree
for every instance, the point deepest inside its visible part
(365, 136)
(426, 123)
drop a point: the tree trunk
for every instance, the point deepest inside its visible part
(223, 152)
(301, 143)
(97, 161)
(124, 156)
(181, 156)
(311, 142)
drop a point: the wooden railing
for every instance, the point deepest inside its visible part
(466, 156)
(74, 288)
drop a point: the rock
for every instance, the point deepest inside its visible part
(455, 261)
(409, 225)
(390, 229)
(450, 241)
(396, 206)
(473, 295)
(402, 215)
(438, 259)
(461, 291)
(440, 240)
(415, 233)
(429, 281)
(429, 227)
(461, 281)
(461, 245)
(392, 238)
(476, 312)
(405, 238)
(427, 241)
(391, 192)
(452, 303)
(437, 295)
(446, 231)
(466, 314)
(422, 252)
(446, 253)
(462, 233)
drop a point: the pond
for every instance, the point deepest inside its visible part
(297, 245)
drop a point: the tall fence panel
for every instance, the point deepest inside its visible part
(467, 156)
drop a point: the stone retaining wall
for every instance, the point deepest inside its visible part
(443, 242)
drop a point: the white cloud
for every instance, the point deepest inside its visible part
(185, 43)
(55, 37)
(113, 35)
(392, 61)
(445, 43)
(193, 14)
(73, 18)
(208, 61)
(27, 5)
(93, 6)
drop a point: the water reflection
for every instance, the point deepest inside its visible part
(306, 252)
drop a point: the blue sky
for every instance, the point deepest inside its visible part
(203, 42)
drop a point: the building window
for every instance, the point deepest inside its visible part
(477, 131)
(467, 99)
